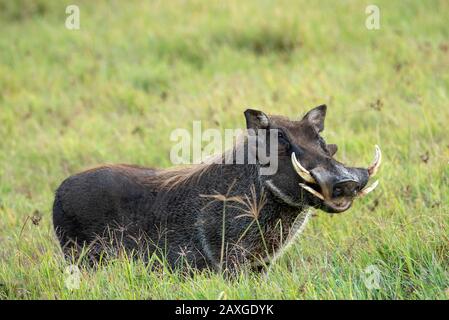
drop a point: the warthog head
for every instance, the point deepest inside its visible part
(307, 172)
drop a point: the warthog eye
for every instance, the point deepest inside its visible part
(282, 139)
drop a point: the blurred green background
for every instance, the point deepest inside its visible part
(113, 91)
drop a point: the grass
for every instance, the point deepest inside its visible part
(115, 89)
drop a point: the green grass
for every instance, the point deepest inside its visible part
(115, 89)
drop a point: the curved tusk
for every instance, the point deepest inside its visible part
(367, 190)
(303, 173)
(312, 191)
(374, 167)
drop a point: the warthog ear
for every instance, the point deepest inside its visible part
(332, 149)
(256, 119)
(316, 117)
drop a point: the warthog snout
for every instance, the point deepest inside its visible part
(336, 185)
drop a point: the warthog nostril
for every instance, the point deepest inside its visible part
(338, 191)
(345, 188)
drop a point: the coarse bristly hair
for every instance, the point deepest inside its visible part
(170, 178)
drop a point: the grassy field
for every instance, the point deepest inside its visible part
(115, 89)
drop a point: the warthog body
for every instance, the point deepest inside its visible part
(209, 215)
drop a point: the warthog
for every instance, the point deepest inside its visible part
(212, 215)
